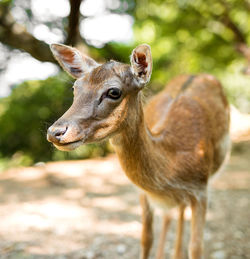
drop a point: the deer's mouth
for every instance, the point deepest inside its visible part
(69, 145)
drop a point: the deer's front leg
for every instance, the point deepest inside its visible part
(147, 231)
(197, 226)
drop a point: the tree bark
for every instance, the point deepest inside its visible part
(25, 41)
(74, 36)
(16, 36)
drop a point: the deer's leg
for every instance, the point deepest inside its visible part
(147, 231)
(179, 234)
(197, 226)
(165, 227)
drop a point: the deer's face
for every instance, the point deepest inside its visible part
(102, 96)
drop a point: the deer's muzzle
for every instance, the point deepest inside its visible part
(65, 137)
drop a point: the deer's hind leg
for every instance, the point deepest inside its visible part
(197, 227)
(147, 227)
(178, 253)
(166, 223)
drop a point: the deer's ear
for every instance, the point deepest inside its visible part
(141, 63)
(72, 60)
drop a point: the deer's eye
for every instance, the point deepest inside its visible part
(114, 93)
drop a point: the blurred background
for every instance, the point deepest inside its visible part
(186, 37)
(86, 209)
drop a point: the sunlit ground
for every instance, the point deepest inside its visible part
(88, 209)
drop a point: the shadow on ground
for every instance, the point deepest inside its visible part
(88, 209)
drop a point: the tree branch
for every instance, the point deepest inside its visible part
(240, 38)
(238, 34)
(23, 40)
(230, 24)
(16, 36)
(74, 36)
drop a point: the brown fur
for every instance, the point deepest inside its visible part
(172, 150)
(147, 231)
(169, 149)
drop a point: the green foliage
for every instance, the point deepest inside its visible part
(192, 36)
(25, 116)
(5, 2)
(186, 36)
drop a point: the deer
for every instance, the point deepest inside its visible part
(169, 149)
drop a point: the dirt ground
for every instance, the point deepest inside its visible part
(88, 209)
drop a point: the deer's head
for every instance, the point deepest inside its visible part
(102, 95)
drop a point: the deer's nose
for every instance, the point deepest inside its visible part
(55, 133)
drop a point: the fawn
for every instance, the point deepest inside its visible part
(169, 149)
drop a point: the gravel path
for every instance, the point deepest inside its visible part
(88, 209)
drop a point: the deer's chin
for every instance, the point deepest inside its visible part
(69, 146)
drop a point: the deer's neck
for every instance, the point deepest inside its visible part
(139, 154)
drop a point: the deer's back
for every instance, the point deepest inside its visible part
(191, 118)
